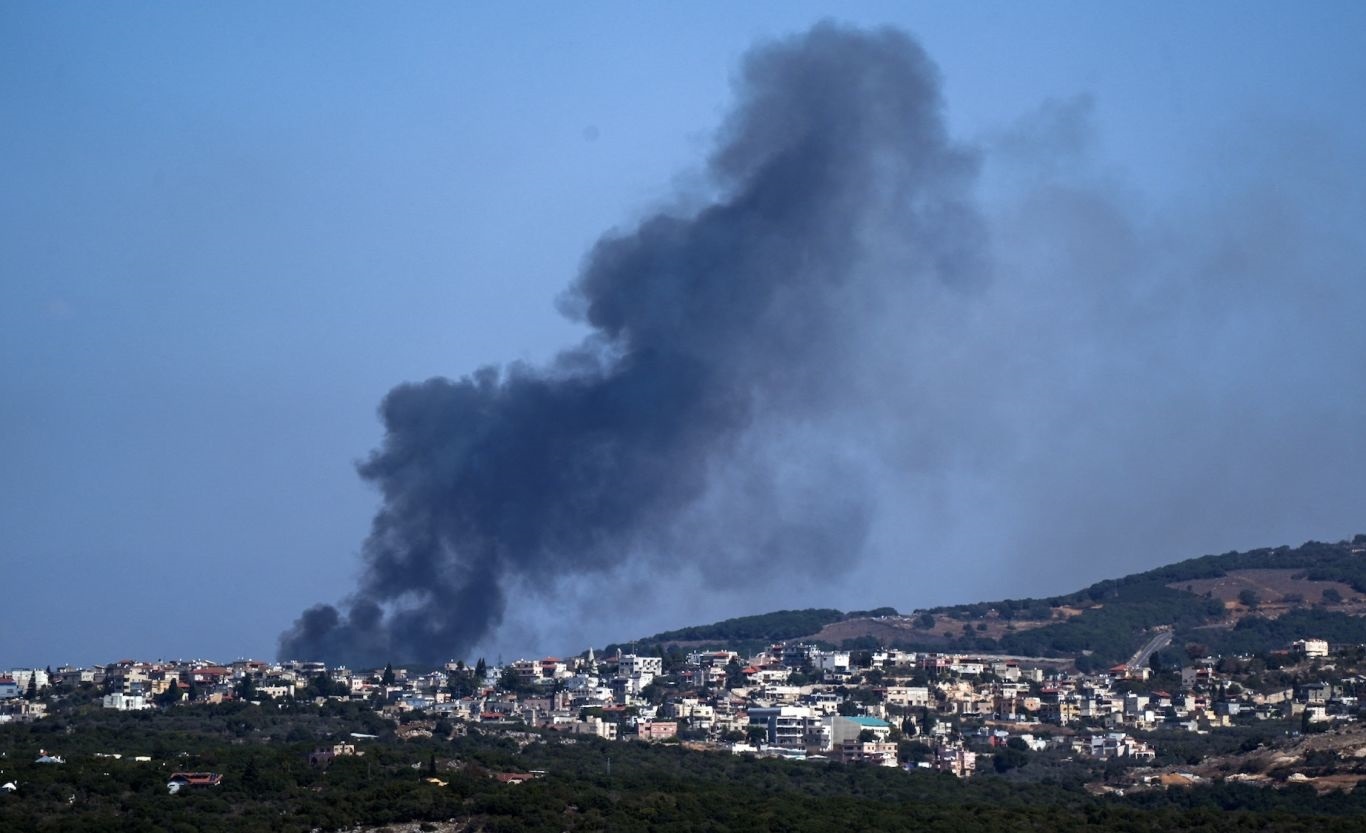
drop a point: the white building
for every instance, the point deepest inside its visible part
(1312, 647)
(787, 726)
(631, 665)
(125, 702)
(21, 677)
(831, 660)
(1118, 745)
(914, 697)
(595, 726)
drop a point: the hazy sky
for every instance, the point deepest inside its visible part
(226, 231)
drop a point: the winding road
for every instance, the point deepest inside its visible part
(1152, 646)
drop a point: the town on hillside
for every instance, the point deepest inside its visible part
(952, 713)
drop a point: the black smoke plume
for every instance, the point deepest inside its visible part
(715, 332)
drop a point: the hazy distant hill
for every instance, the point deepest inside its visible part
(1238, 602)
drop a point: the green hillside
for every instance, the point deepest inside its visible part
(1102, 624)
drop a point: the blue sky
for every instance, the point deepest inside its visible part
(229, 230)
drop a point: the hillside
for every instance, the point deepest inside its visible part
(1237, 602)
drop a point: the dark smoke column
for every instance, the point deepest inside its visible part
(711, 333)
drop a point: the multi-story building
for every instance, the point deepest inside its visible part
(786, 726)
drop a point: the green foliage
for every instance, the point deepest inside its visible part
(268, 786)
(1254, 634)
(1114, 629)
(170, 696)
(1009, 758)
(1118, 614)
(775, 626)
(871, 614)
(509, 679)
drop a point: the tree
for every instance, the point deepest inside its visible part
(509, 680)
(481, 671)
(1009, 758)
(387, 678)
(735, 675)
(867, 736)
(925, 621)
(913, 750)
(461, 682)
(246, 689)
(1331, 596)
(321, 686)
(1248, 598)
(31, 693)
(251, 775)
(171, 695)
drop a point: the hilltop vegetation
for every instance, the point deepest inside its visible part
(777, 626)
(1116, 614)
(1102, 624)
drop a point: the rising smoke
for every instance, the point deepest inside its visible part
(989, 372)
(724, 341)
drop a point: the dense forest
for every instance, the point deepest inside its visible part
(583, 784)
